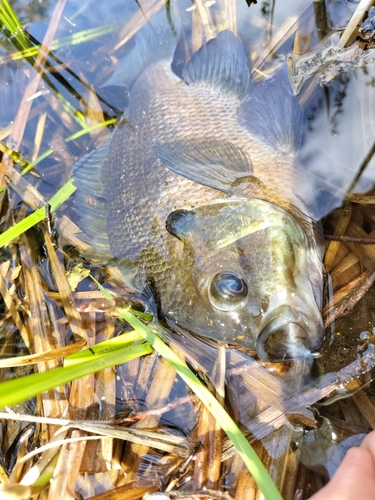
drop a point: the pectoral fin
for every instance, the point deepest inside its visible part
(216, 164)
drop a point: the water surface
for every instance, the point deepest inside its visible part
(336, 157)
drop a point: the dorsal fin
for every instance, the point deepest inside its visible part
(157, 40)
(271, 112)
(220, 63)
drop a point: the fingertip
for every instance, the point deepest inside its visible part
(358, 462)
(355, 478)
(369, 443)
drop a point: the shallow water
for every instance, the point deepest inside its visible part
(338, 136)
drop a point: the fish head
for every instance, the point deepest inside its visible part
(247, 274)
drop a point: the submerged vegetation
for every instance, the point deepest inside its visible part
(62, 314)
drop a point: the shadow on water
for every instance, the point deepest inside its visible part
(299, 417)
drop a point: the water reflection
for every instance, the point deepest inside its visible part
(324, 449)
(338, 143)
(338, 138)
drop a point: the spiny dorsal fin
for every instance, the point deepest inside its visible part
(220, 63)
(271, 112)
(156, 41)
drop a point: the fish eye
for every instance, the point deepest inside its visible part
(227, 291)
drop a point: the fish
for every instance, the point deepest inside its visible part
(198, 195)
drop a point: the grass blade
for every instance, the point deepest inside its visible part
(248, 455)
(74, 39)
(58, 199)
(92, 360)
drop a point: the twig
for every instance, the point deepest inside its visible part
(155, 412)
(350, 239)
(350, 31)
(24, 109)
(138, 20)
(348, 296)
(191, 494)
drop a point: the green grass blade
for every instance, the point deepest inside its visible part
(15, 155)
(62, 195)
(11, 26)
(58, 199)
(74, 39)
(22, 162)
(73, 137)
(19, 389)
(86, 130)
(248, 455)
(102, 349)
(30, 166)
(16, 35)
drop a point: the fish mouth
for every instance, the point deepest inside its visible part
(287, 336)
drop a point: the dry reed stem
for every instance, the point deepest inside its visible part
(347, 297)
(67, 231)
(25, 106)
(93, 113)
(215, 433)
(205, 20)
(351, 29)
(63, 117)
(365, 253)
(144, 377)
(3, 476)
(365, 406)
(352, 414)
(246, 487)
(12, 308)
(321, 18)
(98, 455)
(346, 269)
(58, 353)
(362, 199)
(202, 457)
(351, 239)
(29, 194)
(287, 466)
(67, 469)
(340, 229)
(226, 16)
(126, 492)
(303, 37)
(147, 9)
(43, 461)
(283, 461)
(39, 135)
(157, 395)
(81, 397)
(82, 390)
(66, 295)
(287, 29)
(41, 333)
